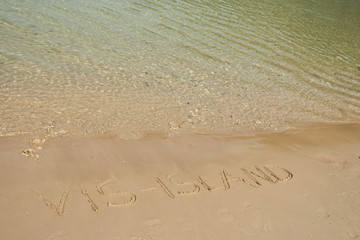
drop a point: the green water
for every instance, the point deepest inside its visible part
(127, 68)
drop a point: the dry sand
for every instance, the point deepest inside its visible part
(301, 184)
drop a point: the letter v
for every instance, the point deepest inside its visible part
(59, 209)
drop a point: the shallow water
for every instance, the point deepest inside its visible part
(136, 67)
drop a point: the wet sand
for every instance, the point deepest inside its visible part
(298, 184)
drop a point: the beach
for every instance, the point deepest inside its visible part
(144, 120)
(299, 184)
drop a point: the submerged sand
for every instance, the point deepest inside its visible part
(299, 184)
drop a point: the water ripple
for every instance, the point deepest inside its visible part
(211, 65)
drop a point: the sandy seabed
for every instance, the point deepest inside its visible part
(299, 184)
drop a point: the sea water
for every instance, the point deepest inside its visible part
(132, 67)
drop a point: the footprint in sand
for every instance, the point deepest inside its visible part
(138, 238)
(309, 197)
(225, 216)
(322, 212)
(59, 235)
(355, 195)
(30, 153)
(251, 218)
(348, 169)
(353, 235)
(156, 228)
(37, 144)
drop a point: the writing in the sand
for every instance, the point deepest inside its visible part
(173, 189)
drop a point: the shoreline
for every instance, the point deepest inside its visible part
(300, 183)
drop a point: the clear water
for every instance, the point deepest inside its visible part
(131, 67)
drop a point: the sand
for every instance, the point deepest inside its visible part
(299, 184)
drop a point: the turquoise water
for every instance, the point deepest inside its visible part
(128, 68)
